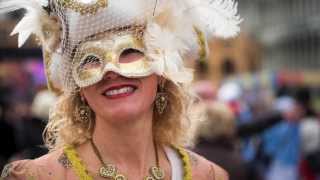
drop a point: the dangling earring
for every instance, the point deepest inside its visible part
(161, 101)
(83, 112)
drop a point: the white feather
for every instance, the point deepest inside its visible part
(165, 49)
(215, 17)
(163, 38)
(170, 65)
(179, 24)
(23, 36)
(31, 22)
(44, 3)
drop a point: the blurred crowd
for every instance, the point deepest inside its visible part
(260, 132)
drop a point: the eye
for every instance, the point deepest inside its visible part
(130, 55)
(90, 61)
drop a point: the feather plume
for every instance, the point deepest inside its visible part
(172, 17)
(31, 22)
(165, 49)
(215, 17)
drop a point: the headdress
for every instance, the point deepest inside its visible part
(83, 39)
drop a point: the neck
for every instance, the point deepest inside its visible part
(126, 144)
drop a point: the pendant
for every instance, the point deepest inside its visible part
(161, 102)
(120, 177)
(157, 173)
(108, 171)
(149, 178)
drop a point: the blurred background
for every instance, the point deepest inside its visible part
(260, 92)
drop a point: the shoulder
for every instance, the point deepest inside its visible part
(45, 167)
(205, 169)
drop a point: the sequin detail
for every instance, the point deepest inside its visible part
(83, 8)
(64, 161)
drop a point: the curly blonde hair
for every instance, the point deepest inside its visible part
(171, 127)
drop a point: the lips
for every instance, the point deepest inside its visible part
(118, 91)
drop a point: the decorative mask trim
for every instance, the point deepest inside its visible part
(83, 8)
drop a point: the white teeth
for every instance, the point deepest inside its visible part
(119, 91)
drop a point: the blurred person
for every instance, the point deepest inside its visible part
(310, 139)
(7, 136)
(310, 136)
(282, 144)
(217, 141)
(232, 94)
(258, 126)
(304, 99)
(124, 106)
(29, 130)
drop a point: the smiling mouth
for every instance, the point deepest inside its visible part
(119, 91)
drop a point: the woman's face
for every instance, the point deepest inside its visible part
(118, 98)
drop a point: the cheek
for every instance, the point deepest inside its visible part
(149, 88)
(91, 97)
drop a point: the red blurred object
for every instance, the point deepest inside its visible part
(235, 107)
(290, 78)
(305, 171)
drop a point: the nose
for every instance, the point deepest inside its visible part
(110, 75)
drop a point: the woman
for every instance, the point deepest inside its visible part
(118, 67)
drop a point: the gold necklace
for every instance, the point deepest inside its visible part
(108, 170)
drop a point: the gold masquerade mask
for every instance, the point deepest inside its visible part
(123, 54)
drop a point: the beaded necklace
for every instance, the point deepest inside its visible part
(83, 174)
(109, 170)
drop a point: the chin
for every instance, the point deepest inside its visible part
(123, 113)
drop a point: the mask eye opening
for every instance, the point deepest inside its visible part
(90, 61)
(130, 55)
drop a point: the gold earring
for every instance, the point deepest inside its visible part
(83, 112)
(161, 99)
